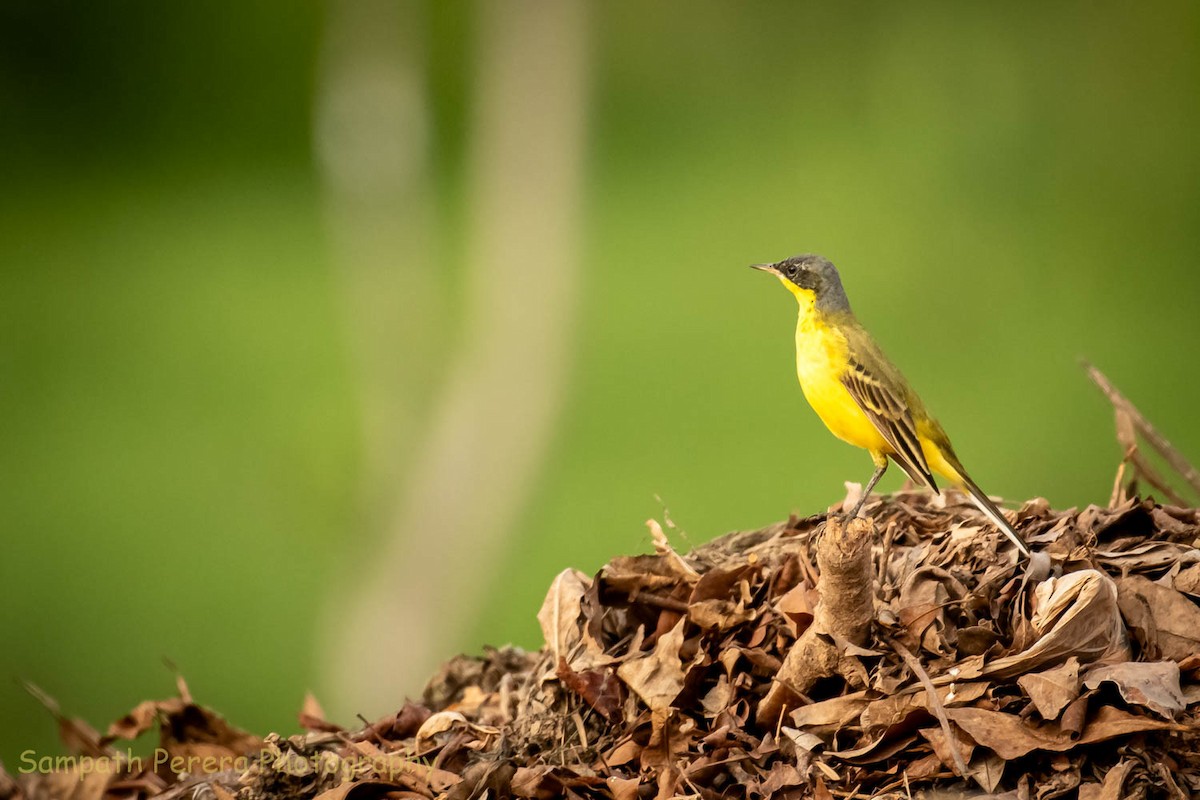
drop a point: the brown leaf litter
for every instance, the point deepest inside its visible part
(959, 671)
(911, 656)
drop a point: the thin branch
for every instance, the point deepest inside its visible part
(658, 601)
(1118, 491)
(1156, 440)
(934, 702)
(1127, 437)
(1152, 477)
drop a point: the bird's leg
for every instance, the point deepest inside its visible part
(881, 465)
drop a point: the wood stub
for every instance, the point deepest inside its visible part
(844, 613)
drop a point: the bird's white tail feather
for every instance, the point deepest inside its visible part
(984, 504)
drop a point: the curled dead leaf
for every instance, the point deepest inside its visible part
(560, 611)
(1152, 684)
(1162, 617)
(1011, 737)
(600, 689)
(1075, 616)
(657, 676)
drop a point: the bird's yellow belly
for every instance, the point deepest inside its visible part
(842, 415)
(820, 359)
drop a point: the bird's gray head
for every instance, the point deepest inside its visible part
(811, 278)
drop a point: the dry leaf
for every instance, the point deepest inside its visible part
(220, 792)
(437, 726)
(624, 753)
(1188, 580)
(888, 711)
(1166, 617)
(354, 789)
(922, 606)
(662, 546)
(669, 740)
(622, 788)
(781, 776)
(1009, 737)
(142, 718)
(1074, 616)
(1153, 684)
(1111, 722)
(527, 781)
(936, 737)
(1147, 556)
(657, 676)
(596, 714)
(188, 733)
(986, 769)
(801, 740)
(1053, 689)
(719, 615)
(1111, 788)
(599, 689)
(559, 615)
(830, 715)
(395, 765)
(718, 698)
(796, 607)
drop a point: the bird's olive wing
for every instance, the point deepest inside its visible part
(888, 411)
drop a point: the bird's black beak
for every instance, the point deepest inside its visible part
(771, 268)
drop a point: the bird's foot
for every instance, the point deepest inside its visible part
(856, 512)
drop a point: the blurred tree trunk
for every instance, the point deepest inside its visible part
(373, 141)
(477, 450)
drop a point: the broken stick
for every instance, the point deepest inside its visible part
(844, 613)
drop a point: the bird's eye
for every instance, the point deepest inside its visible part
(791, 271)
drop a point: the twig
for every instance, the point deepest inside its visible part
(1118, 493)
(657, 601)
(934, 702)
(227, 779)
(1127, 437)
(1152, 477)
(86, 738)
(1164, 448)
(663, 547)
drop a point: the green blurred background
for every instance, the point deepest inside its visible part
(1005, 189)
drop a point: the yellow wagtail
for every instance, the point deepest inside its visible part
(860, 395)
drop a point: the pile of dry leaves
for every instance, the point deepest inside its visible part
(976, 674)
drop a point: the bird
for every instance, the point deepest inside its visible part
(861, 396)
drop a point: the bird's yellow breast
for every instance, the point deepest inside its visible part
(821, 359)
